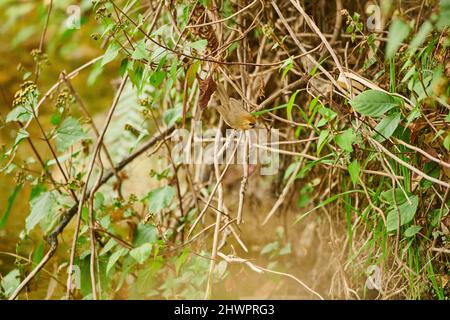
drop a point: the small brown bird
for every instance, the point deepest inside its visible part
(233, 111)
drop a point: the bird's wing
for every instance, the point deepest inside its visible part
(235, 105)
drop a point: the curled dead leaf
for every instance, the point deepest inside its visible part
(207, 88)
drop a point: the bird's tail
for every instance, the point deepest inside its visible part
(223, 97)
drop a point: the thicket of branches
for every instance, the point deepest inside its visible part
(356, 92)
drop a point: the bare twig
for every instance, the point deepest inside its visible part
(41, 42)
(86, 113)
(259, 269)
(407, 165)
(429, 156)
(88, 176)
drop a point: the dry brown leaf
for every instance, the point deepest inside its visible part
(207, 88)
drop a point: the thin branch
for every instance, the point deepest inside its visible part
(94, 127)
(224, 19)
(289, 184)
(407, 165)
(213, 191)
(86, 183)
(259, 269)
(429, 156)
(219, 178)
(41, 42)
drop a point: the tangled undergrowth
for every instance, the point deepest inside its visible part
(349, 198)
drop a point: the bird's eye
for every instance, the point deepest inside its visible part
(252, 124)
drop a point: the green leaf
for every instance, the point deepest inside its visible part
(22, 134)
(327, 115)
(145, 233)
(111, 53)
(22, 34)
(313, 72)
(258, 113)
(354, 169)
(323, 139)
(433, 170)
(444, 15)
(108, 246)
(10, 282)
(413, 115)
(290, 169)
(313, 103)
(114, 258)
(287, 66)
(55, 119)
(290, 105)
(180, 261)
(63, 158)
(69, 133)
(446, 142)
(398, 31)
(123, 67)
(141, 253)
(99, 200)
(407, 212)
(36, 191)
(38, 253)
(435, 216)
(373, 103)
(157, 78)
(192, 72)
(420, 36)
(199, 45)
(97, 70)
(388, 196)
(286, 250)
(270, 247)
(41, 208)
(147, 276)
(160, 198)
(311, 164)
(136, 74)
(345, 140)
(9, 204)
(140, 51)
(412, 231)
(386, 127)
(19, 113)
(172, 115)
(158, 54)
